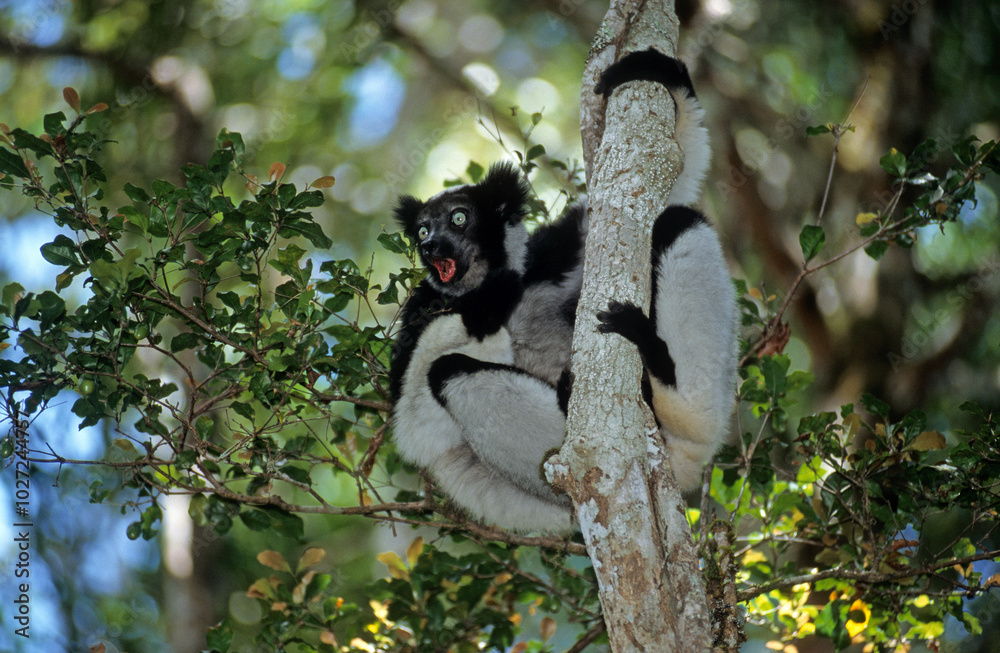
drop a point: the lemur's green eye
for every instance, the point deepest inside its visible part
(458, 218)
(422, 233)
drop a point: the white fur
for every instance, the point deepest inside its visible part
(486, 453)
(692, 137)
(696, 317)
(489, 462)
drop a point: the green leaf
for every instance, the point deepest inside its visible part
(26, 141)
(875, 406)
(877, 249)
(242, 409)
(475, 171)
(310, 230)
(135, 193)
(11, 293)
(307, 199)
(393, 242)
(255, 520)
(811, 239)
(53, 123)
(535, 152)
(61, 251)
(135, 217)
(182, 341)
(11, 164)
(162, 188)
(220, 638)
(894, 162)
(816, 130)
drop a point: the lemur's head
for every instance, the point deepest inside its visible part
(464, 232)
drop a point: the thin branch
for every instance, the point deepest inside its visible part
(861, 576)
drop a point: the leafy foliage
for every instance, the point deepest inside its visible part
(236, 370)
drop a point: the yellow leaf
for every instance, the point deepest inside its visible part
(124, 445)
(72, 98)
(328, 638)
(929, 441)
(414, 550)
(311, 556)
(852, 423)
(324, 182)
(865, 218)
(755, 293)
(515, 619)
(362, 645)
(395, 564)
(277, 169)
(273, 560)
(548, 628)
(261, 589)
(4, 345)
(857, 617)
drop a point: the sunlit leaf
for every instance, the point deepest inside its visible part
(273, 560)
(324, 182)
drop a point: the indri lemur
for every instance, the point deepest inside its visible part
(480, 375)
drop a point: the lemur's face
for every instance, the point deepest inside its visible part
(464, 232)
(449, 236)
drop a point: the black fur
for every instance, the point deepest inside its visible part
(451, 365)
(485, 310)
(630, 322)
(674, 221)
(556, 248)
(496, 201)
(649, 65)
(564, 389)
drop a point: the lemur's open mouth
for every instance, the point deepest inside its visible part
(445, 268)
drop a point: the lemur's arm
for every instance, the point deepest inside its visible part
(688, 342)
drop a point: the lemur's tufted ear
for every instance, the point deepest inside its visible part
(503, 187)
(406, 212)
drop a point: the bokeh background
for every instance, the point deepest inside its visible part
(392, 97)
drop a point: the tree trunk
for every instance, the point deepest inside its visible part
(630, 511)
